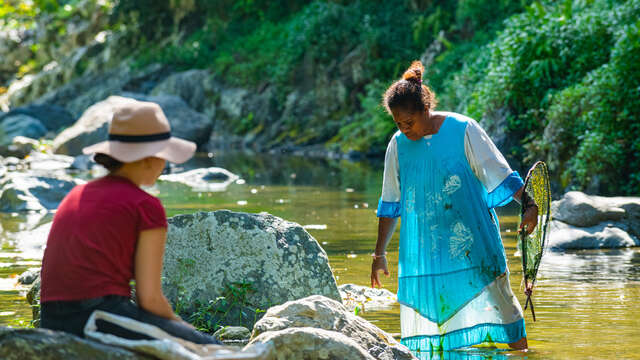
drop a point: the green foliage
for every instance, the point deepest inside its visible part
(370, 128)
(228, 309)
(562, 63)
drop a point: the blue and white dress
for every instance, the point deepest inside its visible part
(453, 283)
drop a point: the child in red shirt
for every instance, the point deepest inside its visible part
(110, 231)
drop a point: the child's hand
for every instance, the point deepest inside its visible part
(378, 264)
(530, 219)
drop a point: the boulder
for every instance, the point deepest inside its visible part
(211, 179)
(93, 125)
(255, 260)
(34, 344)
(365, 298)
(583, 221)
(20, 125)
(602, 236)
(52, 117)
(579, 209)
(25, 192)
(312, 344)
(192, 86)
(338, 324)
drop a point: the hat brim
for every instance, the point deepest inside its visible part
(175, 150)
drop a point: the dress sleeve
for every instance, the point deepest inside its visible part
(490, 166)
(151, 214)
(389, 204)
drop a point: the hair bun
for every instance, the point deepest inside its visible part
(414, 72)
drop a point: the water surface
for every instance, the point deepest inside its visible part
(587, 302)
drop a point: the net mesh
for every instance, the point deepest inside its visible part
(538, 190)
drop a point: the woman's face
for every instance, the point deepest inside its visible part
(412, 125)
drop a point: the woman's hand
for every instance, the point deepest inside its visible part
(530, 219)
(378, 264)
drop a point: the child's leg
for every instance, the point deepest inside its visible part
(520, 344)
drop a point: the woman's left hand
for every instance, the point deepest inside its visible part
(530, 219)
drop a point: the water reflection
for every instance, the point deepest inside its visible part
(587, 302)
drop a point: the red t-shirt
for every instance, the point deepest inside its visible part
(91, 246)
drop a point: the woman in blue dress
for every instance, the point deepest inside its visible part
(443, 176)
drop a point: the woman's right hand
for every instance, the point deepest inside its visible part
(378, 264)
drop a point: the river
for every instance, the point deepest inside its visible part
(587, 302)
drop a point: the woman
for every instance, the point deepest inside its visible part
(444, 176)
(109, 231)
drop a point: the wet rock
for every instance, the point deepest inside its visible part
(20, 125)
(83, 163)
(28, 277)
(19, 344)
(583, 221)
(337, 324)
(25, 192)
(33, 298)
(203, 179)
(52, 117)
(312, 344)
(366, 298)
(268, 260)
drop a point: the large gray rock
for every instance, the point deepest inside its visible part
(93, 125)
(312, 344)
(323, 313)
(583, 221)
(20, 125)
(602, 236)
(41, 344)
(192, 86)
(207, 252)
(25, 192)
(579, 209)
(20, 147)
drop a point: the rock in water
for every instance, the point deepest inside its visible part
(34, 344)
(25, 192)
(582, 221)
(207, 252)
(300, 317)
(20, 125)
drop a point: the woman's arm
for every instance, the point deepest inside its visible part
(386, 227)
(530, 218)
(148, 273)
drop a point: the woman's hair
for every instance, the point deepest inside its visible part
(408, 93)
(108, 162)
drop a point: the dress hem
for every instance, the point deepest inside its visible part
(497, 333)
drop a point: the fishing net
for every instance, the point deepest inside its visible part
(536, 192)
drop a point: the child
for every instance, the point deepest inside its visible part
(110, 231)
(444, 176)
